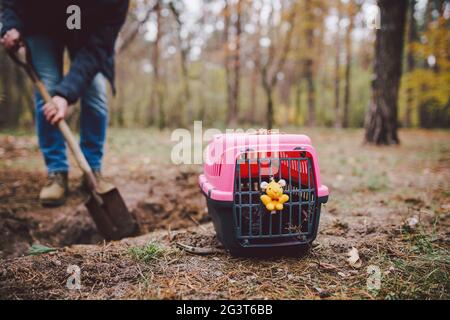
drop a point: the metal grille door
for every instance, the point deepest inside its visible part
(257, 226)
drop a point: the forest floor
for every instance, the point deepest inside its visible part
(391, 204)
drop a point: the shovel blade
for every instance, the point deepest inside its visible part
(111, 215)
(101, 219)
(121, 217)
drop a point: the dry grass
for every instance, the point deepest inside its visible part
(373, 192)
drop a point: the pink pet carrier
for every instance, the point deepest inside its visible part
(247, 215)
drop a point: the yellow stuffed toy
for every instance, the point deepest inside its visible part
(274, 197)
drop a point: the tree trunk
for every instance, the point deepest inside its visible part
(308, 66)
(269, 96)
(337, 68)
(382, 114)
(14, 96)
(311, 93)
(161, 112)
(184, 51)
(410, 63)
(275, 64)
(348, 64)
(285, 86)
(251, 115)
(234, 110)
(298, 101)
(5, 95)
(155, 104)
(227, 62)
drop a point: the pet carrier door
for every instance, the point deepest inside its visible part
(255, 225)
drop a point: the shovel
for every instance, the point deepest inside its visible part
(106, 207)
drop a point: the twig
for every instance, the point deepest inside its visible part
(198, 223)
(197, 250)
(169, 234)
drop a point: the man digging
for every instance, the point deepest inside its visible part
(45, 28)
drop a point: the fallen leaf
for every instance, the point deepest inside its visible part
(411, 223)
(38, 249)
(353, 258)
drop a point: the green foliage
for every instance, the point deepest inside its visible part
(147, 253)
(430, 82)
(37, 249)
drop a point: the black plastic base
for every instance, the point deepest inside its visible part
(221, 213)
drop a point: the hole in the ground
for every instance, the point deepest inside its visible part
(172, 202)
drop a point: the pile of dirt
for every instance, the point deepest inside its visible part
(168, 201)
(174, 202)
(19, 190)
(15, 234)
(23, 221)
(202, 237)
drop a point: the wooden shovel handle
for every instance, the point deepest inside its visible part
(62, 125)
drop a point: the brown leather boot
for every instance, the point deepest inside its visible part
(54, 193)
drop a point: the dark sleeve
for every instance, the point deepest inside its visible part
(89, 59)
(11, 16)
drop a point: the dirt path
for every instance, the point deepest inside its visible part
(375, 194)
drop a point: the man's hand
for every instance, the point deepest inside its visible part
(12, 40)
(56, 110)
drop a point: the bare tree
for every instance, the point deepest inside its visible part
(381, 119)
(232, 119)
(232, 60)
(184, 51)
(157, 95)
(274, 64)
(227, 58)
(410, 61)
(127, 37)
(337, 68)
(351, 13)
(251, 117)
(298, 94)
(309, 64)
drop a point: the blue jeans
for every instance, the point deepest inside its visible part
(47, 55)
